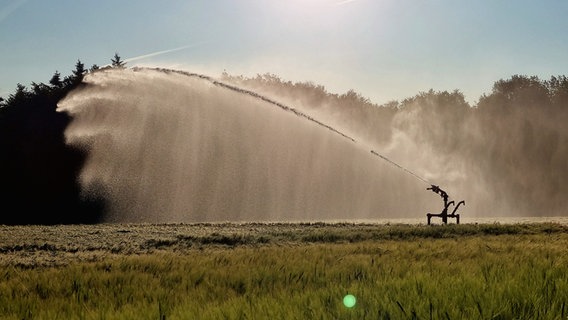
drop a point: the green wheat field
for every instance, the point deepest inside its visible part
(284, 271)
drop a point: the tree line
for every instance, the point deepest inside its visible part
(38, 170)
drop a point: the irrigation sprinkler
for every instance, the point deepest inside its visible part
(444, 214)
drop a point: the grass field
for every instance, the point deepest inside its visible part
(284, 271)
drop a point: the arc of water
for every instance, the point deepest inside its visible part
(286, 108)
(400, 167)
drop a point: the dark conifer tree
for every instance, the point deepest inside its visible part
(73, 80)
(56, 80)
(20, 97)
(117, 62)
(79, 69)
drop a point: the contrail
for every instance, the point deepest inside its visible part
(157, 53)
(6, 11)
(344, 2)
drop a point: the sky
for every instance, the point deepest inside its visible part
(384, 49)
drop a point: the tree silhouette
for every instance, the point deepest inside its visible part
(77, 75)
(517, 92)
(39, 172)
(79, 71)
(20, 97)
(558, 91)
(117, 62)
(56, 80)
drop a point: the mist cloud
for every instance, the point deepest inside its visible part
(507, 155)
(170, 146)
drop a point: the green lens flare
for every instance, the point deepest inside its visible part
(349, 301)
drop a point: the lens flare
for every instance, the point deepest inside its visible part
(349, 301)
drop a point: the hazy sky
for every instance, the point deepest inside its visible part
(384, 49)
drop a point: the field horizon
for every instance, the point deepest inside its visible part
(27, 245)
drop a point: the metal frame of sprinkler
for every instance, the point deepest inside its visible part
(436, 189)
(444, 214)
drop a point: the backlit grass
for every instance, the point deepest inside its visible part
(396, 272)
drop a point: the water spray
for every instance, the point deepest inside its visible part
(189, 177)
(256, 95)
(289, 109)
(436, 189)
